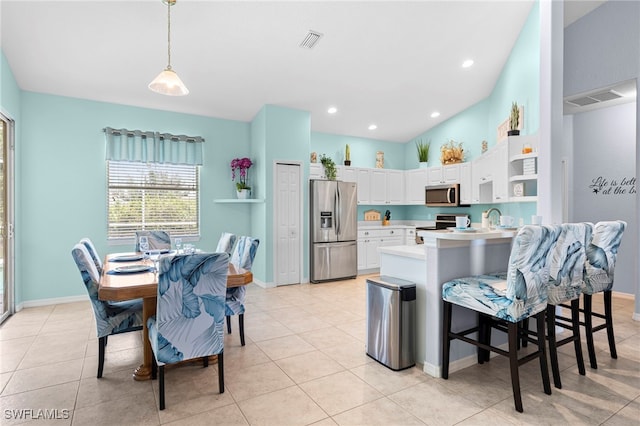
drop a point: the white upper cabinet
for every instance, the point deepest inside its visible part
(500, 167)
(378, 178)
(347, 174)
(364, 186)
(395, 187)
(443, 175)
(316, 171)
(465, 183)
(414, 183)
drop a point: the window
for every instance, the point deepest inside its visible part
(152, 196)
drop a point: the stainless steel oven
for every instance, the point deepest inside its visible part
(443, 221)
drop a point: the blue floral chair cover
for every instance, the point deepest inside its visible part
(565, 285)
(94, 254)
(158, 240)
(521, 295)
(602, 251)
(243, 255)
(189, 318)
(226, 243)
(111, 317)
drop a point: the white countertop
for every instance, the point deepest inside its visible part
(480, 234)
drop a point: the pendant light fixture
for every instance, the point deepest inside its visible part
(168, 82)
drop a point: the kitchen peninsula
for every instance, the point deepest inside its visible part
(445, 255)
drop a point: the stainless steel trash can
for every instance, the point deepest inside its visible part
(391, 311)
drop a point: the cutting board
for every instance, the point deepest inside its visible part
(372, 215)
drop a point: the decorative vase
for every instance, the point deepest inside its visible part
(424, 164)
(242, 194)
(513, 133)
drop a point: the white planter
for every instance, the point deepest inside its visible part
(243, 194)
(423, 164)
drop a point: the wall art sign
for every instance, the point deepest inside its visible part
(603, 185)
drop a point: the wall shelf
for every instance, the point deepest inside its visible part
(238, 201)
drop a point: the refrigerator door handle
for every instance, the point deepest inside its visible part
(336, 213)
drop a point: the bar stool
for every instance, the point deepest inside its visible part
(502, 304)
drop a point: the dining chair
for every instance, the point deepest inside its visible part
(226, 242)
(602, 252)
(158, 240)
(111, 317)
(189, 318)
(243, 255)
(565, 286)
(502, 304)
(94, 254)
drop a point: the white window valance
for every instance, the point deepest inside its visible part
(152, 147)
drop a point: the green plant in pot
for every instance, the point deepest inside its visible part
(329, 167)
(347, 155)
(423, 152)
(514, 120)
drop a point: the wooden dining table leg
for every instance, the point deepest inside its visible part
(144, 371)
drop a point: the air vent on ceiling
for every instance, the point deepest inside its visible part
(607, 95)
(311, 39)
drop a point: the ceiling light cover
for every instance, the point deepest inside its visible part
(435, 114)
(372, 127)
(168, 82)
(332, 110)
(467, 63)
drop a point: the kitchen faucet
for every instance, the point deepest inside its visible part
(485, 218)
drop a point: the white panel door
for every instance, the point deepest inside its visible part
(288, 231)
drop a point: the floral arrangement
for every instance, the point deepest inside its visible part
(241, 165)
(451, 153)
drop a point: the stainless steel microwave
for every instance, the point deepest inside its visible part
(442, 195)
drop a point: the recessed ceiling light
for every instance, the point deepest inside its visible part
(332, 110)
(372, 127)
(435, 114)
(467, 63)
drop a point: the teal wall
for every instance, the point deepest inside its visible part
(63, 173)
(363, 150)
(518, 82)
(285, 135)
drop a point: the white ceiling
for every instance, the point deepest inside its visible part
(390, 63)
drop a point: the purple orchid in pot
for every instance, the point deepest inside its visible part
(239, 168)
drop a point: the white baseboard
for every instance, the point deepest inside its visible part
(54, 301)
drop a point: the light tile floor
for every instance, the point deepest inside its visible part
(304, 363)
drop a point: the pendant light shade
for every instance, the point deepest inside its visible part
(168, 82)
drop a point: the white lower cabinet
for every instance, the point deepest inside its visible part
(370, 240)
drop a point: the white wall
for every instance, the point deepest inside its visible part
(604, 182)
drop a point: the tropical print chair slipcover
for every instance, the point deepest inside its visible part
(602, 252)
(565, 285)
(522, 295)
(94, 254)
(158, 240)
(226, 243)
(243, 255)
(111, 317)
(189, 318)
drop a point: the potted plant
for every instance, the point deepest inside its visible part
(241, 165)
(347, 156)
(329, 167)
(423, 153)
(514, 120)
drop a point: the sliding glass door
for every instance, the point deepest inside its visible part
(6, 217)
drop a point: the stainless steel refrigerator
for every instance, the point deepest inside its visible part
(333, 230)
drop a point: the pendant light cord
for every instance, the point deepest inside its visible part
(169, 34)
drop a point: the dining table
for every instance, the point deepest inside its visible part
(144, 285)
